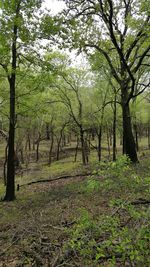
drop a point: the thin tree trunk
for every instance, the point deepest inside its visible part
(37, 147)
(76, 151)
(29, 142)
(47, 131)
(110, 136)
(136, 136)
(33, 140)
(148, 133)
(59, 141)
(114, 129)
(108, 141)
(99, 143)
(51, 148)
(58, 147)
(82, 146)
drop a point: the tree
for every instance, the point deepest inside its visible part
(119, 31)
(18, 32)
(73, 87)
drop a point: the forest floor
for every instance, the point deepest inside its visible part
(98, 219)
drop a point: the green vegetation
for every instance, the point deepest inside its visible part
(99, 220)
(74, 133)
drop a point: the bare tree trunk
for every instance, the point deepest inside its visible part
(33, 140)
(108, 141)
(136, 136)
(110, 136)
(99, 143)
(59, 141)
(37, 147)
(129, 146)
(76, 151)
(47, 131)
(29, 142)
(82, 146)
(5, 164)
(51, 148)
(114, 128)
(10, 186)
(148, 134)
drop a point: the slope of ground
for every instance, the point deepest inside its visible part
(97, 220)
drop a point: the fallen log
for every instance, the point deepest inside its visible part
(140, 201)
(56, 179)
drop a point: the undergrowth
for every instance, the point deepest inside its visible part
(122, 235)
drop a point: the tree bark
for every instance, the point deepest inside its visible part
(148, 133)
(114, 128)
(82, 146)
(136, 136)
(51, 148)
(108, 141)
(47, 131)
(129, 147)
(5, 164)
(99, 143)
(37, 147)
(76, 151)
(10, 186)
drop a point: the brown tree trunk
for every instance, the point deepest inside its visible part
(108, 142)
(59, 141)
(136, 136)
(51, 148)
(129, 147)
(10, 186)
(37, 147)
(99, 143)
(5, 164)
(82, 146)
(148, 134)
(76, 151)
(29, 142)
(47, 131)
(114, 128)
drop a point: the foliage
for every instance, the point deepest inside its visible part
(123, 235)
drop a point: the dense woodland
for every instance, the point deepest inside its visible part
(75, 133)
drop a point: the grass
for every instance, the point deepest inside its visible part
(62, 223)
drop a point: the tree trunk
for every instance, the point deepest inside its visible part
(108, 141)
(58, 146)
(82, 146)
(136, 136)
(37, 147)
(76, 151)
(29, 142)
(10, 185)
(33, 140)
(114, 129)
(47, 131)
(99, 143)
(5, 164)
(148, 133)
(129, 147)
(51, 148)
(110, 136)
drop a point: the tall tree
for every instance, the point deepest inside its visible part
(119, 31)
(18, 31)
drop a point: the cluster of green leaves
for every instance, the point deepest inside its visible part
(106, 239)
(123, 233)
